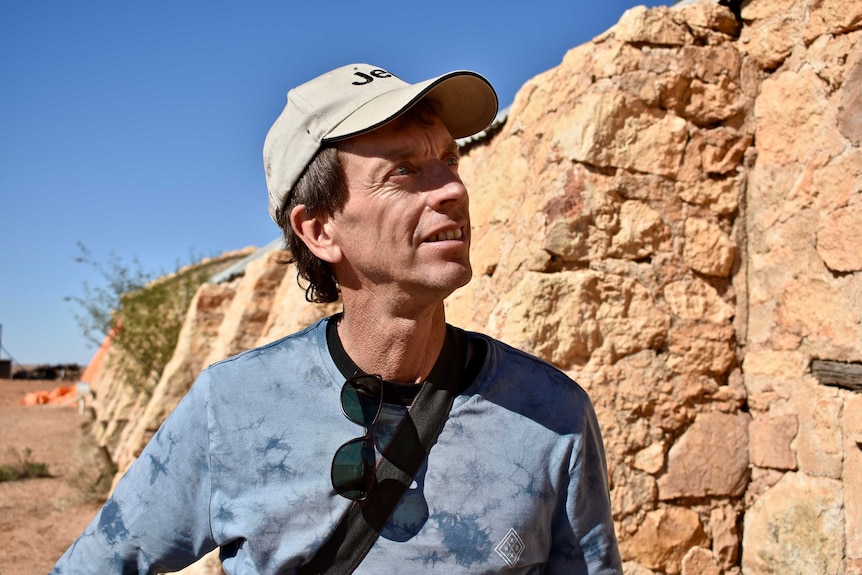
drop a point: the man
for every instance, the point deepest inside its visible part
(362, 171)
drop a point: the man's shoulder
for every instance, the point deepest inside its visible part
(296, 346)
(504, 352)
(506, 363)
(520, 383)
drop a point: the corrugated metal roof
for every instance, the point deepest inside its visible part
(679, 3)
(496, 124)
(238, 268)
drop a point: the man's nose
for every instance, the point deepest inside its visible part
(446, 189)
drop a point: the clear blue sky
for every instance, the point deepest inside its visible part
(136, 127)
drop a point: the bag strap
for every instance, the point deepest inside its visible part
(410, 445)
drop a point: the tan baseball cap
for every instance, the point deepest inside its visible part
(358, 98)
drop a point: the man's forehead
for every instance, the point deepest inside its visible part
(393, 142)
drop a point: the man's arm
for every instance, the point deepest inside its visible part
(583, 531)
(158, 516)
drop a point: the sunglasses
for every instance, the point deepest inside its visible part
(354, 462)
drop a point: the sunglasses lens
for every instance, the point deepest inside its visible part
(353, 463)
(353, 468)
(361, 400)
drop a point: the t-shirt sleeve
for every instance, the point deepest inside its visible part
(158, 517)
(583, 540)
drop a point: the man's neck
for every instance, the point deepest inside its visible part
(398, 348)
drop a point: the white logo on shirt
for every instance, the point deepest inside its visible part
(510, 548)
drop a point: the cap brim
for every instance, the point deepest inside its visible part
(468, 105)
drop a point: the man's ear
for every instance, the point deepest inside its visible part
(314, 233)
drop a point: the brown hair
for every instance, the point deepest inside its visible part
(323, 190)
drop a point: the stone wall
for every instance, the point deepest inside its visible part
(804, 289)
(673, 217)
(609, 240)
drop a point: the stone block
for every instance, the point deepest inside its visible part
(851, 418)
(708, 249)
(769, 441)
(839, 237)
(700, 561)
(640, 25)
(725, 535)
(664, 538)
(695, 299)
(818, 444)
(700, 348)
(795, 527)
(709, 460)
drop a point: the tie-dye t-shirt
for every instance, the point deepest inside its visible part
(516, 483)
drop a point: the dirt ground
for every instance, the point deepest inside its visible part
(39, 518)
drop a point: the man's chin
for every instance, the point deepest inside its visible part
(460, 279)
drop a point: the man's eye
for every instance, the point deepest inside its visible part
(403, 171)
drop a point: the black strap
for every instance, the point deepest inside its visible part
(359, 528)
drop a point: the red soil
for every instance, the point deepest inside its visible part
(39, 518)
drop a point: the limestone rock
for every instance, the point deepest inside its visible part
(789, 135)
(639, 25)
(638, 496)
(553, 316)
(711, 103)
(700, 561)
(289, 311)
(852, 476)
(721, 196)
(725, 535)
(839, 238)
(710, 459)
(850, 110)
(576, 240)
(833, 17)
(819, 446)
(665, 537)
(635, 568)
(710, 16)
(777, 27)
(697, 300)
(821, 312)
(608, 129)
(765, 369)
(769, 441)
(722, 150)
(700, 348)
(708, 250)
(566, 317)
(650, 459)
(247, 316)
(796, 527)
(641, 232)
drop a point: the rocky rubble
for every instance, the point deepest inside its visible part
(672, 216)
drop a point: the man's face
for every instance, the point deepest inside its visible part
(405, 229)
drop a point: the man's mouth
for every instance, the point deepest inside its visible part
(455, 234)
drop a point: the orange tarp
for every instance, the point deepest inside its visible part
(57, 396)
(95, 366)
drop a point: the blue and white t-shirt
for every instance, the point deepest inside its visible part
(516, 482)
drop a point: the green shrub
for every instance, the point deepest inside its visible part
(148, 322)
(143, 314)
(23, 467)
